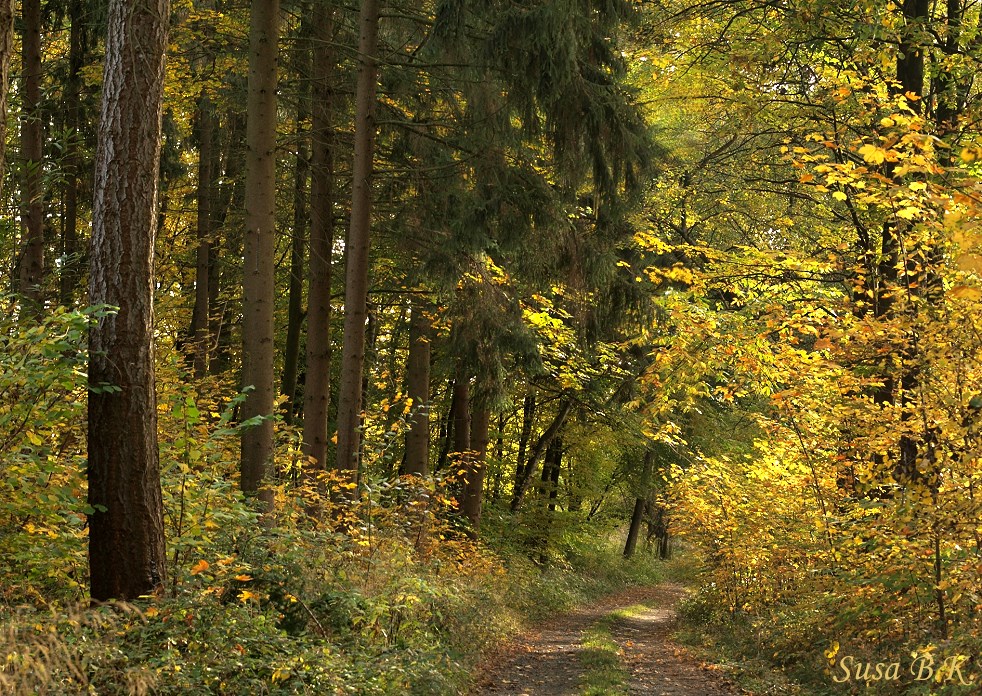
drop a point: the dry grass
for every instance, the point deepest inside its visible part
(50, 653)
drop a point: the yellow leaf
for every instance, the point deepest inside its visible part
(243, 578)
(872, 154)
(839, 195)
(200, 567)
(151, 612)
(246, 595)
(335, 439)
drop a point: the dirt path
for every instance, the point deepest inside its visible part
(546, 663)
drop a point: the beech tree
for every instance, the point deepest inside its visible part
(126, 531)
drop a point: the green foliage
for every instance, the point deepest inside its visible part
(42, 461)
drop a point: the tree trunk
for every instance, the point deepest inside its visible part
(260, 221)
(473, 497)
(418, 388)
(298, 243)
(446, 431)
(126, 530)
(461, 407)
(555, 468)
(548, 492)
(632, 532)
(70, 252)
(317, 387)
(499, 455)
(565, 407)
(229, 196)
(639, 504)
(371, 355)
(358, 243)
(658, 529)
(528, 420)
(6, 53)
(32, 259)
(202, 294)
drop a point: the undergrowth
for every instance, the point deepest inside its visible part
(789, 648)
(388, 595)
(297, 609)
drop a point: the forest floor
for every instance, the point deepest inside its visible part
(565, 657)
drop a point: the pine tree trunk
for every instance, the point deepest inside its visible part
(473, 498)
(70, 252)
(6, 53)
(229, 197)
(446, 430)
(126, 531)
(461, 407)
(317, 387)
(418, 388)
(32, 259)
(298, 244)
(260, 232)
(358, 243)
(499, 455)
(200, 334)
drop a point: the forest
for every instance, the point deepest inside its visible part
(341, 345)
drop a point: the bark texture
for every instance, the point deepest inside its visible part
(473, 498)
(6, 52)
(640, 503)
(32, 259)
(632, 533)
(418, 388)
(260, 221)
(357, 248)
(126, 531)
(70, 251)
(298, 246)
(200, 333)
(317, 387)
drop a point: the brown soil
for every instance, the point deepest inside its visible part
(545, 662)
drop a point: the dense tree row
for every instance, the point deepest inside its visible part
(483, 160)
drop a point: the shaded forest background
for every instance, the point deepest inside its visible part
(447, 298)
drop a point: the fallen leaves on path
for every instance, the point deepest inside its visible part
(544, 662)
